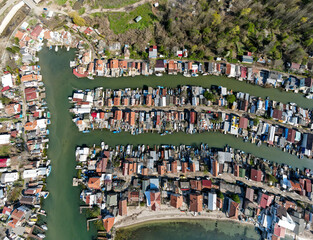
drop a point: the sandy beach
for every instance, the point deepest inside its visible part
(143, 215)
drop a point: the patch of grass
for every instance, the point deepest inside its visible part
(5, 150)
(115, 3)
(121, 22)
(15, 194)
(81, 11)
(61, 2)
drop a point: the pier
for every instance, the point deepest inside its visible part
(91, 220)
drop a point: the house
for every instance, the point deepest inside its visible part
(196, 202)
(215, 168)
(159, 66)
(249, 194)
(108, 223)
(7, 80)
(256, 175)
(31, 94)
(176, 200)
(243, 122)
(20, 35)
(36, 32)
(155, 200)
(247, 59)
(122, 207)
(153, 52)
(12, 109)
(9, 177)
(233, 209)
(94, 183)
(212, 201)
(295, 66)
(265, 200)
(137, 19)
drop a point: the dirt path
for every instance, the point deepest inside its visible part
(122, 9)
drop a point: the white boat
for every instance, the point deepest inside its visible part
(159, 74)
(41, 235)
(309, 96)
(56, 48)
(102, 145)
(68, 48)
(48, 170)
(44, 227)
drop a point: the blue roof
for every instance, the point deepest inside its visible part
(147, 193)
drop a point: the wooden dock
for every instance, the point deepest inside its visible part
(83, 207)
(91, 220)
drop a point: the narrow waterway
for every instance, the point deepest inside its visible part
(62, 206)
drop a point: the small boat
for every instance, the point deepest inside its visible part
(159, 74)
(48, 162)
(68, 48)
(50, 47)
(102, 145)
(309, 96)
(56, 48)
(194, 75)
(48, 170)
(44, 227)
(86, 131)
(41, 235)
(45, 194)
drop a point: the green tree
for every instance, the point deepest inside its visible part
(272, 178)
(231, 98)
(235, 198)
(216, 19)
(256, 121)
(209, 96)
(220, 195)
(77, 19)
(245, 12)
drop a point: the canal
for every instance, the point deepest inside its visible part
(62, 205)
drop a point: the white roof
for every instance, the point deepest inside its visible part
(9, 177)
(5, 139)
(31, 173)
(42, 123)
(24, 25)
(78, 95)
(7, 80)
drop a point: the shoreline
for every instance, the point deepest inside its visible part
(146, 216)
(181, 219)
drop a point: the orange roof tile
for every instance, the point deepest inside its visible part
(108, 223)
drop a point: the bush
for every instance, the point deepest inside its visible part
(235, 198)
(77, 19)
(220, 195)
(231, 98)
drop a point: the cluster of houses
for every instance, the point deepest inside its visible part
(149, 110)
(86, 66)
(118, 180)
(24, 127)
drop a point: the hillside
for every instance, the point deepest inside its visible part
(278, 30)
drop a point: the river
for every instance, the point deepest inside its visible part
(62, 205)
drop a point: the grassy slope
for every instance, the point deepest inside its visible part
(115, 3)
(121, 22)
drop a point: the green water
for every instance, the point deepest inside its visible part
(62, 205)
(193, 229)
